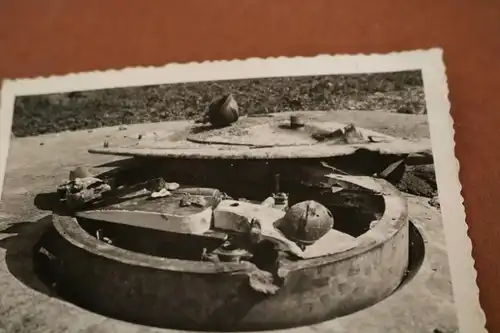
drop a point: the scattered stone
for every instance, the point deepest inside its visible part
(139, 136)
(90, 130)
(41, 143)
(161, 193)
(122, 128)
(81, 191)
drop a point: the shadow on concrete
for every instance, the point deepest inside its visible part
(416, 255)
(22, 246)
(47, 201)
(118, 163)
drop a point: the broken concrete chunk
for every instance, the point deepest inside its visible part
(81, 191)
(172, 186)
(161, 193)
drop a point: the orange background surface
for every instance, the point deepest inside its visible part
(39, 38)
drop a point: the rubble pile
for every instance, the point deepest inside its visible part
(81, 191)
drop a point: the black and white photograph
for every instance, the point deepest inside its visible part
(286, 194)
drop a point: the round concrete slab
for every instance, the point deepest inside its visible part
(265, 138)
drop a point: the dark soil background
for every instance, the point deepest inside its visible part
(395, 92)
(400, 92)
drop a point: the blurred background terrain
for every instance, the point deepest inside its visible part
(400, 92)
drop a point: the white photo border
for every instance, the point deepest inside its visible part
(471, 317)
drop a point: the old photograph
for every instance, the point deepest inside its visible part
(288, 194)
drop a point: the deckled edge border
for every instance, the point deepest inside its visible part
(471, 317)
